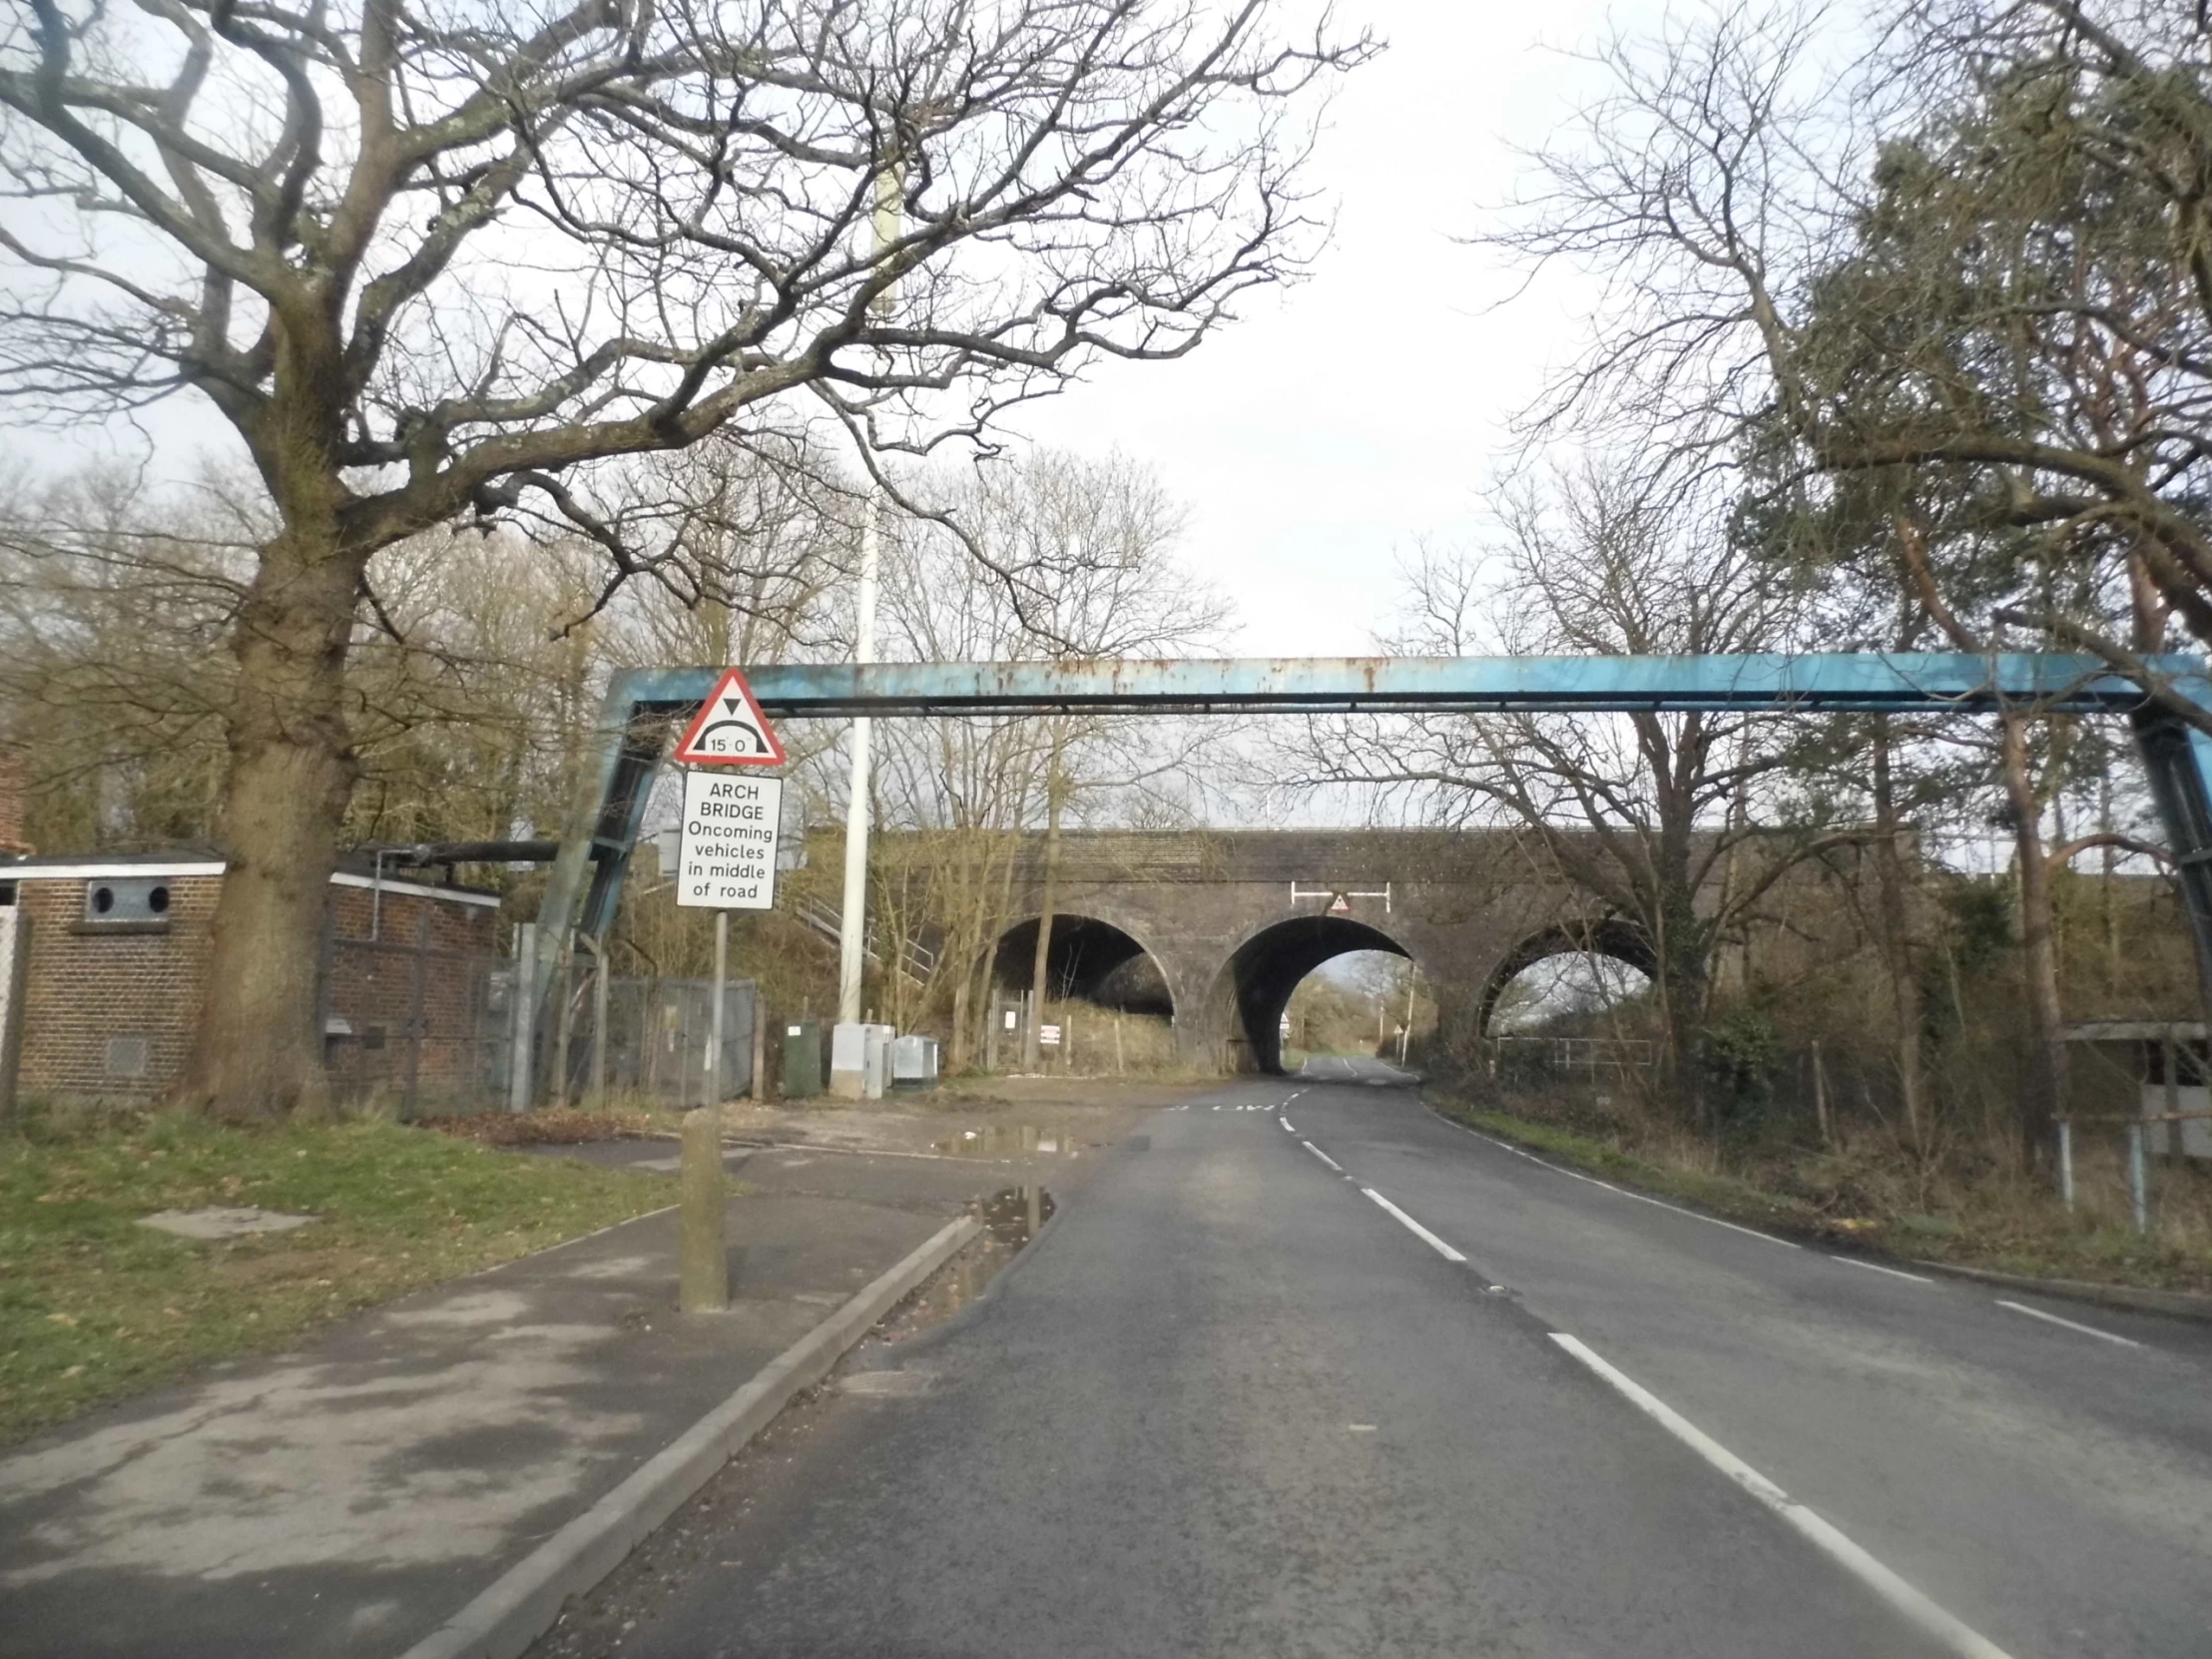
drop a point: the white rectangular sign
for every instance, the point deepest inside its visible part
(727, 860)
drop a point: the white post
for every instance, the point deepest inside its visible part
(2170, 1061)
(525, 1012)
(15, 961)
(1406, 1034)
(2139, 1183)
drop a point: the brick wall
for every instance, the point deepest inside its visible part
(109, 1007)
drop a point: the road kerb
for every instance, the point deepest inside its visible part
(523, 1602)
(2129, 1299)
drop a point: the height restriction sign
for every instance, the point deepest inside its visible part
(730, 729)
(727, 856)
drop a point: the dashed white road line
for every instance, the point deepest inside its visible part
(1932, 1620)
(1420, 1232)
(1286, 1123)
(1325, 1158)
(1877, 1267)
(2053, 1318)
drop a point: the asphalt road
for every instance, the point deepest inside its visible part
(1304, 1369)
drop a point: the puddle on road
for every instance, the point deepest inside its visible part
(999, 1140)
(1012, 1215)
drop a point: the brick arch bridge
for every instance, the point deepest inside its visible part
(1215, 912)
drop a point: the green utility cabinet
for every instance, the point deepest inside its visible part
(806, 1058)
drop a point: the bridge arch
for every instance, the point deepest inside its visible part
(1090, 958)
(1615, 936)
(1253, 986)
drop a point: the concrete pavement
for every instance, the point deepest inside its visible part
(346, 1498)
(1232, 1403)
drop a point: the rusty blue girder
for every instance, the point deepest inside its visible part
(1870, 681)
(584, 886)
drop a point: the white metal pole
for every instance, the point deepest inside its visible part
(852, 919)
(1406, 1033)
(524, 1009)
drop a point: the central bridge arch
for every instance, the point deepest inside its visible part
(1253, 986)
(1087, 957)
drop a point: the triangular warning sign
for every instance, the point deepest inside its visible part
(730, 729)
(1340, 905)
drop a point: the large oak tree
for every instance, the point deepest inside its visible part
(457, 257)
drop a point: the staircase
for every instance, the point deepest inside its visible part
(915, 959)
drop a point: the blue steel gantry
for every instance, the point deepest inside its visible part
(584, 886)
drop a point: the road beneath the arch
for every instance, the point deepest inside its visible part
(1304, 1369)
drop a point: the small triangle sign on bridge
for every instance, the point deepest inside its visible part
(1340, 905)
(730, 729)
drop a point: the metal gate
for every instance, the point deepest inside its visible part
(420, 1028)
(659, 1047)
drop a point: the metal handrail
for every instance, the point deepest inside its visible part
(916, 960)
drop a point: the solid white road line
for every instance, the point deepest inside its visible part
(2085, 1330)
(1420, 1232)
(1641, 1198)
(1924, 1614)
(1715, 1221)
(1877, 1267)
(1322, 1156)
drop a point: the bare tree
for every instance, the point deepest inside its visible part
(1649, 813)
(445, 259)
(1975, 257)
(112, 619)
(1097, 538)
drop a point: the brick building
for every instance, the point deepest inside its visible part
(118, 958)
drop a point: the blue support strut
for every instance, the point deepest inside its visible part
(584, 886)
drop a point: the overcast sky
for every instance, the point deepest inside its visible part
(1314, 439)
(1336, 422)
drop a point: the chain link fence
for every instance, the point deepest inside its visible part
(1533, 1061)
(427, 1032)
(419, 1029)
(659, 1047)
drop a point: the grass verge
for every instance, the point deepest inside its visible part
(94, 1307)
(2000, 1226)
